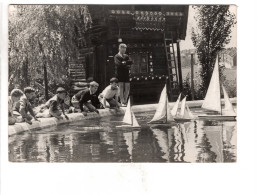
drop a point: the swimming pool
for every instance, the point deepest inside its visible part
(97, 140)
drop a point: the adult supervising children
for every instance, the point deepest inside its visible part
(122, 66)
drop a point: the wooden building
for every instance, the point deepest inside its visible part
(142, 28)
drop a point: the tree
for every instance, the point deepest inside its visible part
(44, 37)
(213, 30)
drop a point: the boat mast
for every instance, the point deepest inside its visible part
(167, 106)
(220, 85)
(131, 113)
(167, 101)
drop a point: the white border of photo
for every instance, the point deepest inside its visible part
(145, 178)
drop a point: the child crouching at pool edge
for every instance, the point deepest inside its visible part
(55, 106)
(109, 96)
(14, 97)
(23, 108)
(88, 98)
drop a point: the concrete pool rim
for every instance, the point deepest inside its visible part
(73, 117)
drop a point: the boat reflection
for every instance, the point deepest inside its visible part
(194, 141)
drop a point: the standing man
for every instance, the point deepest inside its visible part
(122, 65)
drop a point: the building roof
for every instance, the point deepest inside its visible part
(133, 19)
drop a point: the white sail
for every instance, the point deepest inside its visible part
(169, 116)
(128, 117)
(160, 113)
(134, 123)
(212, 98)
(188, 113)
(228, 110)
(175, 107)
(183, 107)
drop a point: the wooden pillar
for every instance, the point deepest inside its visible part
(179, 67)
(192, 76)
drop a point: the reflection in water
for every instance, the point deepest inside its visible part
(196, 141)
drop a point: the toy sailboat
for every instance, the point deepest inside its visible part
(185, 113)
(175, 107)
(162, 114)
(212, 99)
(129, 118)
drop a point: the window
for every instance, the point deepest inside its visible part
(140, 63)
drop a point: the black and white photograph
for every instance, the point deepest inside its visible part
(128, 97)
(122, 83)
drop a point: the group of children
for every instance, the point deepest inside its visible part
(20, 108)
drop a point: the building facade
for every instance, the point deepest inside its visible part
(142, 28)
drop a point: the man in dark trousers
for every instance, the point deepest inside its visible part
(122, 65)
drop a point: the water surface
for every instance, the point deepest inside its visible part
(196, 141)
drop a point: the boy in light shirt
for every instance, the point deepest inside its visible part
(15, 96)
(23, 108)
(110, 94)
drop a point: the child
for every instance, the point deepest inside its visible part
(15, 97)
(88, 97)
(110, 94)
(54, 105)
(23, 106)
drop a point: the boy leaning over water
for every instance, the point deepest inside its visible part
(55, 106)
(89, 98)
(14, 97)
(23, 106)
(110, 94)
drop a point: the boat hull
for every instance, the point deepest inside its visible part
(127, 126)
(160, 122)
(217, 117)
(181, 120)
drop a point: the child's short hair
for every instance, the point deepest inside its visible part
(29, 90)
(17, 93)
(122, 45)
(114, 80)
(93, 83)
(61, 90)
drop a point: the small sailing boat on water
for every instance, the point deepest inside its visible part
(129, 118)
(185, 113)
(212, 99)
(175, 107)
(162, 114)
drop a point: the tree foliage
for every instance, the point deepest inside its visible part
(44, 34)
(213, 31)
